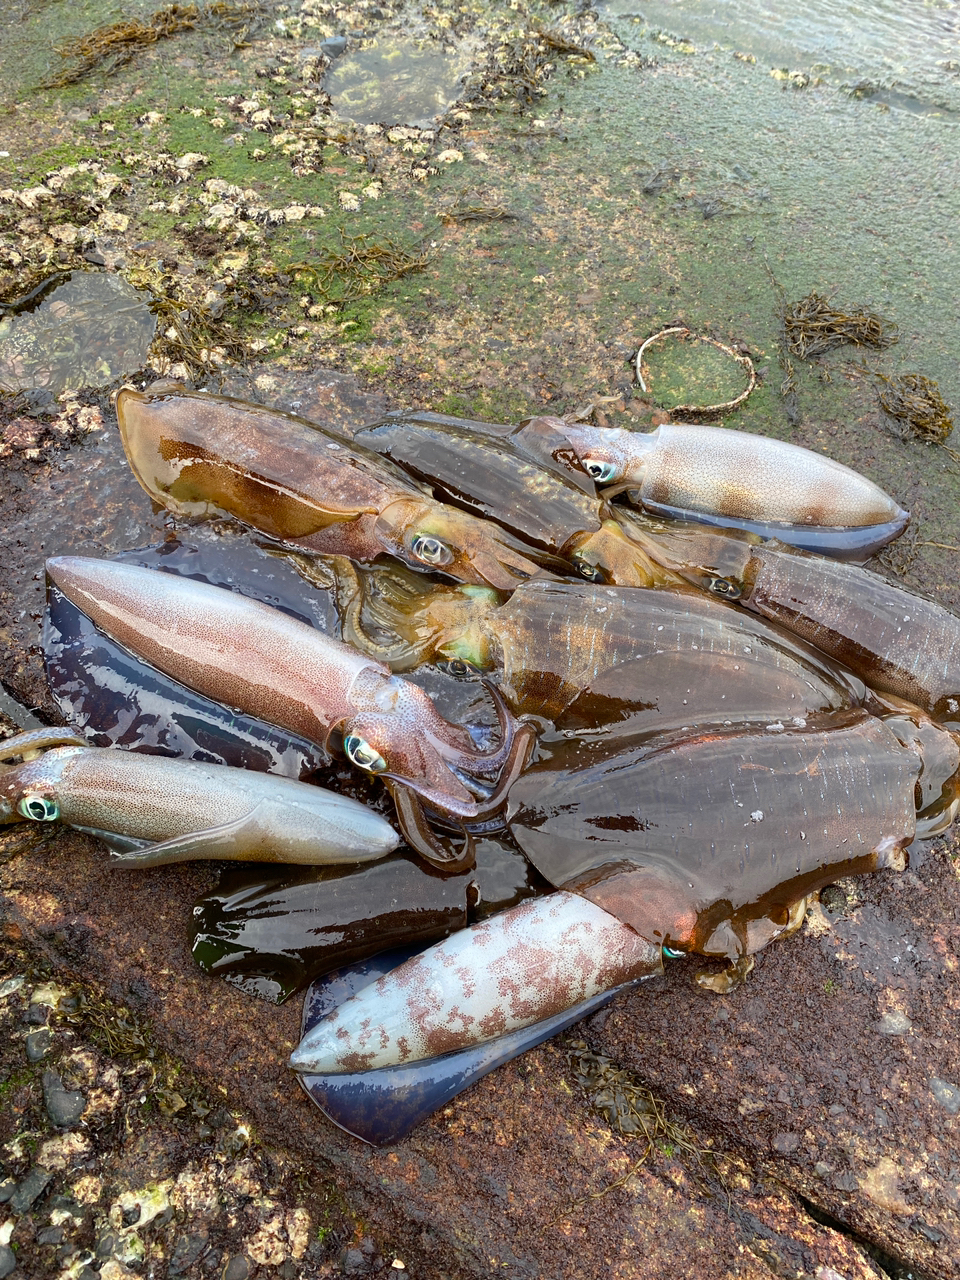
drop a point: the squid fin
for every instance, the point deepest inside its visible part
(381, 1107)
(214, 842)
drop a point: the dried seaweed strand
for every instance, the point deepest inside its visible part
(479, 213)
(627, 1106)
(559, 43)
(359, 267)
(812, 327)
(699, 411)
(119, 42)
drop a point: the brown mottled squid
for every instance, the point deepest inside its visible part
(734, 479)
(200, 454)
(153, 810)
(263, 662)
(897, 642)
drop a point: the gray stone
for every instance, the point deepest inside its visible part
(947, 1094)
(8, 1260)
(186, 1251)
(7, 1188)
(846, 1182)
(353, 1263)
(334, 46)
(64, 1106)
(106, 1245)
(237, 1268)
(39, 1044)
(786, 1143)
(894, 1023)
(31, 1187)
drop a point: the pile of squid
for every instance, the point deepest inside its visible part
(581, 700)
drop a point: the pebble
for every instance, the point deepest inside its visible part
(29, 1189)
(894, 1023)
(64, 1106)
(8, 1260)
(947, 1094)
(39, 1044)
(237, 1268)
(186, 1251)
(10, 986)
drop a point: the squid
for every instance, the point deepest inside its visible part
(732, 479)
(437, 493)
(707, 844)
(900, 644)
(154, 810)
(203, 455)
(264, 663)
(600, 661)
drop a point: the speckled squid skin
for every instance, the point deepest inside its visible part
(261, 661)
(199, 454)
(196, 810)
(515, 969)
(734, 473)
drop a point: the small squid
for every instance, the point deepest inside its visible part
(734, 479)
(263, 662)
(153, 810)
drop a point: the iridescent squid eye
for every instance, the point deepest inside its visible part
(38, 809)
(591, 572)
(724, 588)
(362, 754)
(430, 549)
(602, 472)
(671, 953)
(460, 668)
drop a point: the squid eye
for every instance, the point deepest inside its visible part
(592, 572)
(430, 550)
(362, 754)
(671, 953)
(459, 667)
(602, 472)
(724, 587)
(38, 809)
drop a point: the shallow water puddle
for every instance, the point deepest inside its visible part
(89, 331)
(397, 81)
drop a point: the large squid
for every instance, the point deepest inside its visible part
(897, 642)
(199, 454)
(707, 844)
(263, 662)
(438, 493)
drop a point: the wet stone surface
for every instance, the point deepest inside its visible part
(160, 1178)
